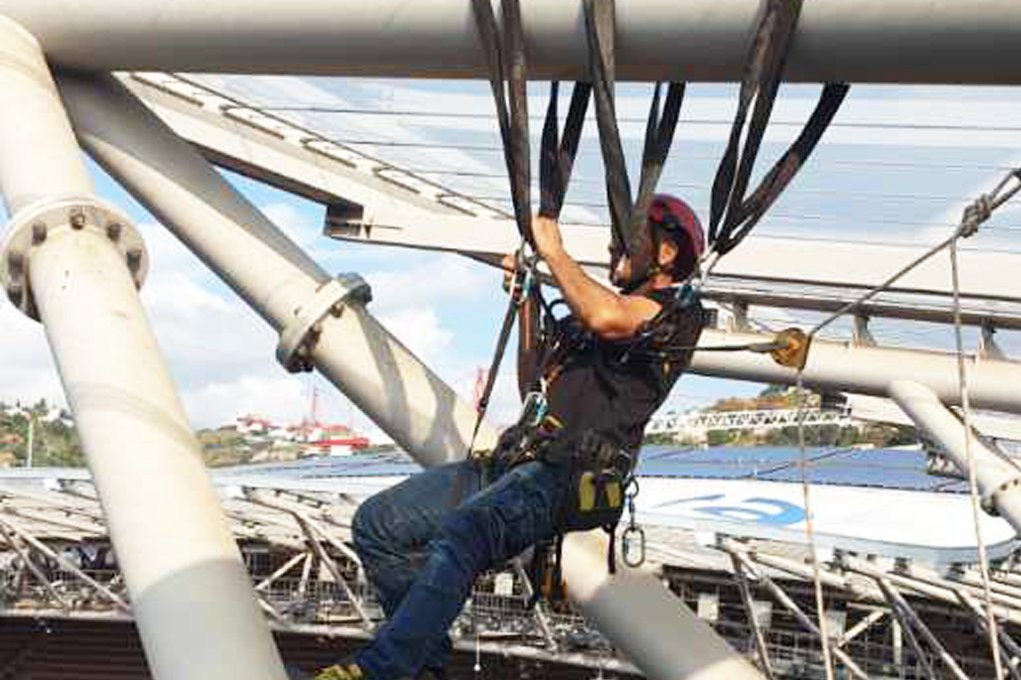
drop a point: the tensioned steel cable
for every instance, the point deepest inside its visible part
(420, 113)
(977, 213)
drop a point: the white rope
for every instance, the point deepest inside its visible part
(974, 215)
(962, 376)
(824, 637)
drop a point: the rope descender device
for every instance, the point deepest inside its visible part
(791, 348)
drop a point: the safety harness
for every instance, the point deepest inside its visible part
(601, 471)
(508, 77)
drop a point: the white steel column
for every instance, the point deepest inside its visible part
(358, 355)
(999, 482)
(74, 262)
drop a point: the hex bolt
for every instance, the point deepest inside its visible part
(77, 218)
(15, 291)
(15, 263)
(134, 259)
(38, 233)
(114, 231)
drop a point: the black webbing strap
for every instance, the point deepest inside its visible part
(627, 219)
(556, 159)
(732, 216)
(506, 62)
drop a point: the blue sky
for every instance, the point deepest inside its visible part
(446, 308)
(897, 167)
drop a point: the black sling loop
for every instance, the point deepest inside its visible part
(732, 216)
(627, 219)
(507, 61)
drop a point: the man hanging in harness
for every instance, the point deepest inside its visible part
(617, 355)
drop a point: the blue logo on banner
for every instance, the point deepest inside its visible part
(775, 513)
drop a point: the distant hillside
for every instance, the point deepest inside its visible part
(55, 440)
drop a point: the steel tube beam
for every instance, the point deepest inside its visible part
(365, 362)
(651, 626)
(190, 592)
(999, 482)
(866, 370)
(27, 562)
(931, 41)
(42, 159)
(749, 607)
(385, 380)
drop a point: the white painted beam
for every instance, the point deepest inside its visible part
(390, 206)
(267, 270)
(842, 366)
(998, 481)
(903, 41)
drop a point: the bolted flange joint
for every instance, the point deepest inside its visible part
(990, 502)
(299, 337)
(36, 224)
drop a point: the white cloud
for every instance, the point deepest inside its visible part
(281, 397)
(298, 226)
(418, 328)
(439, 279)
(27, 372)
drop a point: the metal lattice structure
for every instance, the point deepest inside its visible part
(762, 419)
(57, 562)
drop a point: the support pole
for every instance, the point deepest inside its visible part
(28, 563)
(386, 381)
(75, 263)
(791, 606)
(908, 616)
(66, 564)
(840, 366)
(753, 623)
(999, 482)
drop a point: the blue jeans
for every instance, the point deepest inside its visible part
(424, 540)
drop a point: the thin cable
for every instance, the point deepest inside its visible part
(824, 637)
(962, 377)
(420, 113)
(830, 193)
(977, 213)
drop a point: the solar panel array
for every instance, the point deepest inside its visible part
(883, 468)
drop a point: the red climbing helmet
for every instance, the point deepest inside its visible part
(671, 214)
